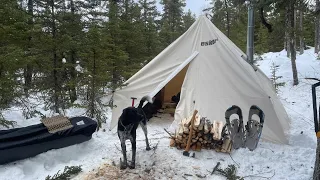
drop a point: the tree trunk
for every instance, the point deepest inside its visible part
(317, 28)
(56, 87)
(287, 34)
(112, 19)
(291, 10)
(28, 68)
(92, 94)
(73, 75)
(316, 172)
(72, 87)
(301, 32)
(295, 27)
(228, 19)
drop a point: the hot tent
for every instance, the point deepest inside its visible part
(215, 76)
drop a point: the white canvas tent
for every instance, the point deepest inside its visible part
(214, 76)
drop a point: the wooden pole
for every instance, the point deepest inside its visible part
(191, 131)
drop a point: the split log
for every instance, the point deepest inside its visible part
(217, 130)
(197, 121)
(172, 143)
(185, 130)
(180, 131)
(201, 126)
(191, 131)
(187, 121)
(205, 128)
(193, 147)
(198, 146)
(209, 125)
(200, 133)
(183, 146)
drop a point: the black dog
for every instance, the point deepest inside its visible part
(151, 109)
(128, 123)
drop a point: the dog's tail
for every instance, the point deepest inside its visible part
(143, 99)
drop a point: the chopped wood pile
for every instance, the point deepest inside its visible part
(204, 134)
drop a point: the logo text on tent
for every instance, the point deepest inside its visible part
(209, 43)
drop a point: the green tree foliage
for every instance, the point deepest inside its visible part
(275, 78)
(68, 173)
(118, 56)
(231, 19)
(171, 21)
(96, 60)
(188, 19)
(149, 16)
(132, 36)
(43, 41)
(13, 31)
(274, 13)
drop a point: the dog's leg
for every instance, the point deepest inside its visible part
(133, 144)
(123, 165)
(143, 125)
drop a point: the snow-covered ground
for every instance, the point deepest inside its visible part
(294, 161)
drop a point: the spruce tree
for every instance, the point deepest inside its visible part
(171, 21)
(13, 32)
(132, 36)
(118, 56)
(188, 19)
(71, 30)
(149, 17)
(50, 60)
(96, 60)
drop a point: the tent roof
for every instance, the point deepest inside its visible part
(217, 78)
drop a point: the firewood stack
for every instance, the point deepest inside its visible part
(205, 135)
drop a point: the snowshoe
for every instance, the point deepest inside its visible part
(235, 127)
(254, 128)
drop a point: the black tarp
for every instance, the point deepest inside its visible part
(21, 143)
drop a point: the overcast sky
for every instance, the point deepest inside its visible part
(196, 6)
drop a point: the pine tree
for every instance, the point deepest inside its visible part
(149, 17)
(118, 56)
(71, 30)
(28, 69)
(301, 31)
(171, 21)
(292, 37)
(188, 19)
(132, 36)
(309, 26)
(275, 78)
(96, 60)
(13, 31)
(51, 54)
(231, 18)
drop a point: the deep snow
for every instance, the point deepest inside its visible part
(294, 161)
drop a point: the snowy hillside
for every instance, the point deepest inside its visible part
(294, 161)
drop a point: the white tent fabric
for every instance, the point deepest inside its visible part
(217, 78)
